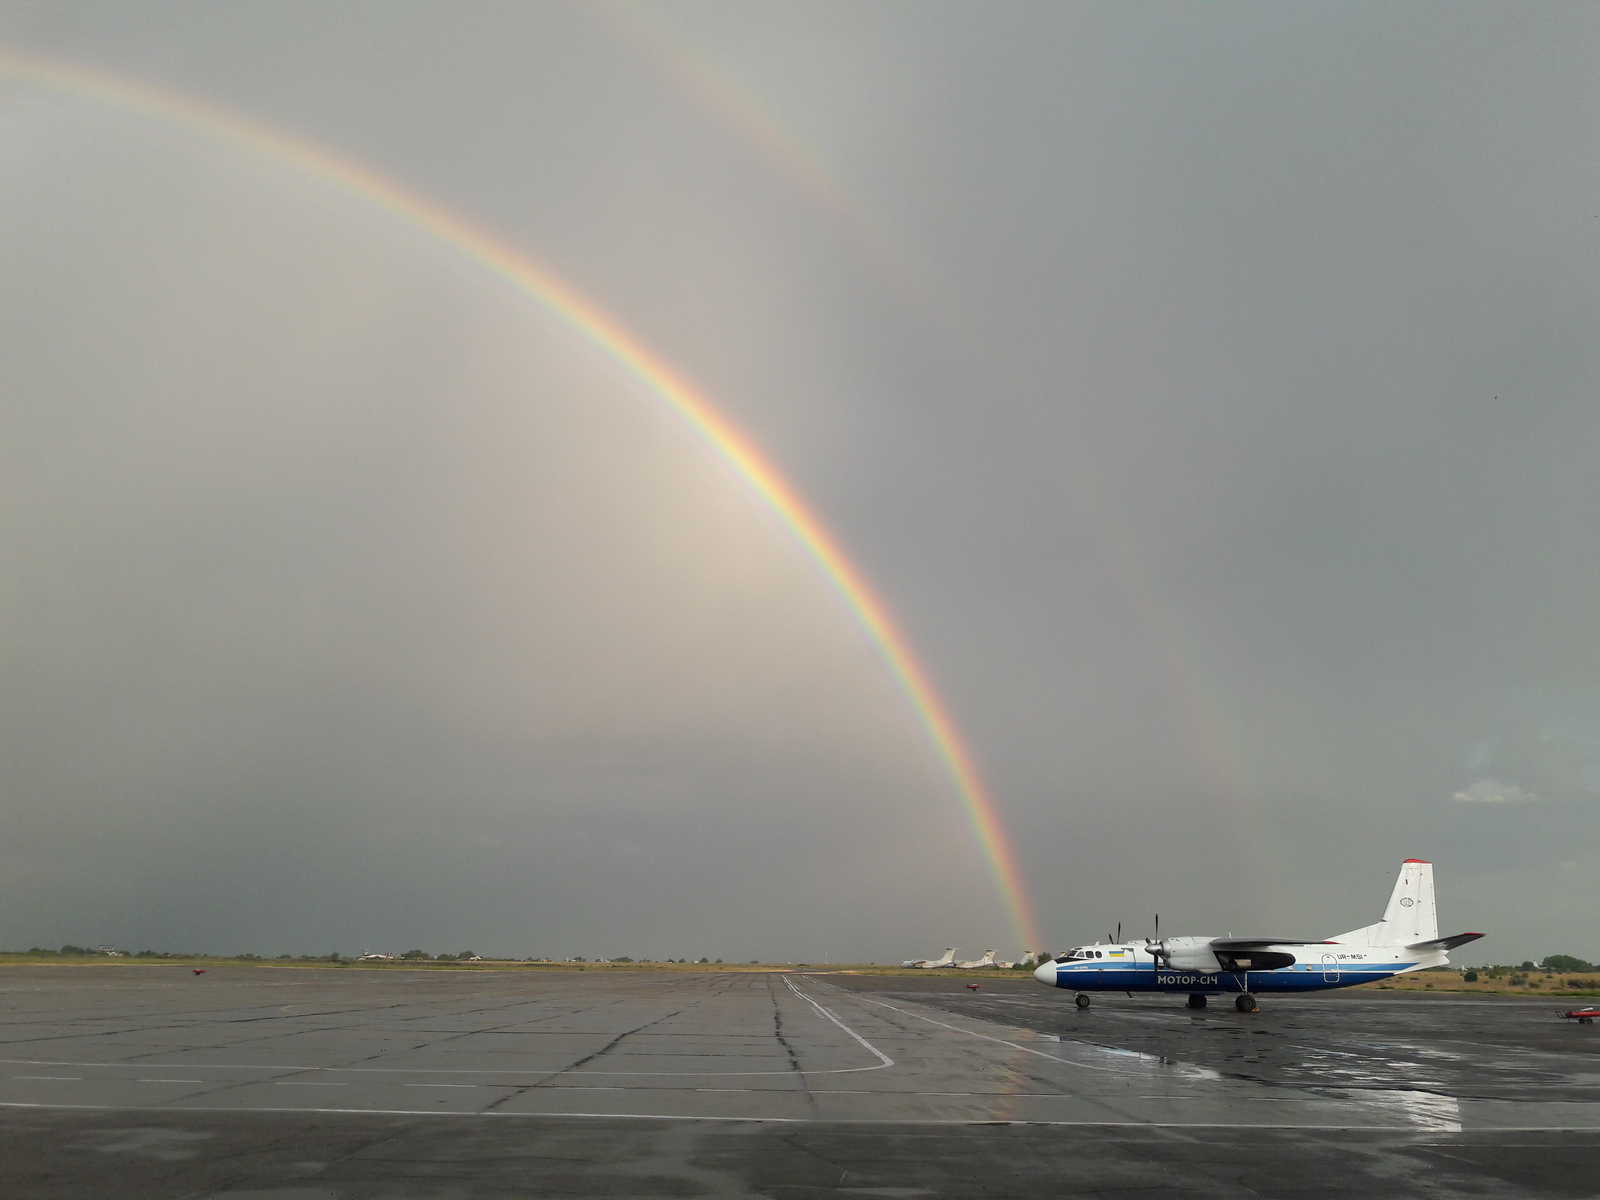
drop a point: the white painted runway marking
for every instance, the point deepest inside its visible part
(1002, 1041)
(499, 1071)
(52, 1078)
(169, 1080)
(884, 1058)
(759, 1120)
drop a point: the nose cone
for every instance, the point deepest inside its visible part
(1046, 973)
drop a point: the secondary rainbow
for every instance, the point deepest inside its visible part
(1176, 653)
(621, 347)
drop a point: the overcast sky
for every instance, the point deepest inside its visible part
(1209, 391)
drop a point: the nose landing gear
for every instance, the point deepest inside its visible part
(1081, 1000)
(1246, 1003)
(1197, 1001)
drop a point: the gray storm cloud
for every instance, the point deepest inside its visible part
(1210, 391)
(350, 600)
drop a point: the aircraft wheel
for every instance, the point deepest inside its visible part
(1245, 1003)
(1081, 1001)
(1197, 1001)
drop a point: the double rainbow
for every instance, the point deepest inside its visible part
(616, 343)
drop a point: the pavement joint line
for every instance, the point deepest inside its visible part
(422, 1070)
(757, 1120)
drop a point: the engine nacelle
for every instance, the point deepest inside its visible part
(1191, 954)
(1255, 960)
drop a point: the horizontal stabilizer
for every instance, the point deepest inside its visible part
(1446, 943)
(1263, 943)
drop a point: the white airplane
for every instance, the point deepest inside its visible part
(1029, 957)
(1407, 939)
(947, 959)
(986, 961)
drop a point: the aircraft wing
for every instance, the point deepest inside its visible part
(1446, 943)
(1254, 954)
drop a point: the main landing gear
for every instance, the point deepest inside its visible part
(1197, 1001)
(1081, 1000)
(1245, 1003)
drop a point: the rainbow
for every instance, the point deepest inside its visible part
(617, 344)
(1176, 654)
(740, 108)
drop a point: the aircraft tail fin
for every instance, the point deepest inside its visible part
(1411, 917)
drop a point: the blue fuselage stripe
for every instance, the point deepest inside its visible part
(1143, 977)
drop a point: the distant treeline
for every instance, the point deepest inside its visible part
(103, 952)
(71, 951)
(1559, 964)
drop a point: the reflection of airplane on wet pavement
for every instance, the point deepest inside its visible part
(1407, 939)
(947, 959)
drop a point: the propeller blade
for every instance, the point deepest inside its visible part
(1157, 948)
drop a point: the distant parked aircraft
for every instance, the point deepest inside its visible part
(986, 961)
(948, 959)
(1407, 939)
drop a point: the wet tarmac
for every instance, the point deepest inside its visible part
(148, 1081)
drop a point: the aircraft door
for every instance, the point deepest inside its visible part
(1330, 969)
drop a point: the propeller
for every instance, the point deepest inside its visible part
(1157, 948)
